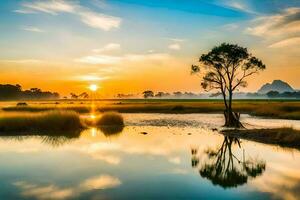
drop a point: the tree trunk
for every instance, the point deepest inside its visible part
(232, 119)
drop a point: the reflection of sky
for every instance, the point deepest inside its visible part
(133, 165)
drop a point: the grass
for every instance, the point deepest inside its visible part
(49, 121)
(110, 123)
(41, 108)
(284, 109)
(110, 119)
(284, 137)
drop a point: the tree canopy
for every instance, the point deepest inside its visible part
(225, 68)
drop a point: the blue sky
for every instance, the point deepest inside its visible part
(114, 42)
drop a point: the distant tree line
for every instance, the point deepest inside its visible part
(276, 94)
(190, 95)
(151, 94)
(83, 95)
(15, 92)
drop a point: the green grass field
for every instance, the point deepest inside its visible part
(285, 109)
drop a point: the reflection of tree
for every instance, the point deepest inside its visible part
(222, 167)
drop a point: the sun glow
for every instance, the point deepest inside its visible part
(93, 87)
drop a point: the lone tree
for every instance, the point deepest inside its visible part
(225, 69)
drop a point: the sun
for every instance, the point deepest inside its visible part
(93, 87)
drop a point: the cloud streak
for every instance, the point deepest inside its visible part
(295, 41)
(276, 25)
(33, 29)
(108, 47)
(100, 59)
(51, 7)
(175, 46)
(90, 18)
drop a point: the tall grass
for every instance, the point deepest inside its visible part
(40, 122)
(110, 123)
(40, 108)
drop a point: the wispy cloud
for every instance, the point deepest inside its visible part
(32, 29)
(295, 41)
(101, 21)
(88, 17)
(276, 25)
(52, 7)
(238, 5)
(24, 11)
(177, 39)
(108, 47)
(108, 59)
(175, 46)
(99, 59)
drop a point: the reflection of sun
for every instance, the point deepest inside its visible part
(93, 116)
(93, 87)
(93, 132)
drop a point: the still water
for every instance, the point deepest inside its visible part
(156, 156)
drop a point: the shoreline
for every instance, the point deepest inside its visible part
(283, 137)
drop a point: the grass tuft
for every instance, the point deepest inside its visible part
(110, 119)
(111, 123)
(40, 122)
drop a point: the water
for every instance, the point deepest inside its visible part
(156, 156)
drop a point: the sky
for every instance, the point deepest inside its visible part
(128, 46)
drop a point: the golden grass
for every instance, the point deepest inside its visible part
(110, 119)
(40, 122)
(266, 108)
(110, 123)
(46, 107)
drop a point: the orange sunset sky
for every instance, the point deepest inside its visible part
(128, 46)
